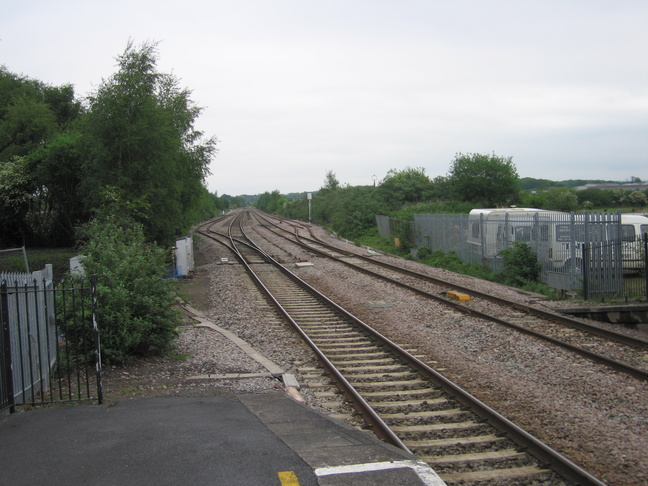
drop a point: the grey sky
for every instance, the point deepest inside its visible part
(293, 89)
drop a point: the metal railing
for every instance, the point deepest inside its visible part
(49, 344)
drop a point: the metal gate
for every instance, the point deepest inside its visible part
(49, 344)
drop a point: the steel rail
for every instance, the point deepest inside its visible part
(534, 446)
(380, 428)
(544, 314)
(612, 363)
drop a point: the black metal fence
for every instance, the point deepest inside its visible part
(49, 344)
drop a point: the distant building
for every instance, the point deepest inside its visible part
(628, 186)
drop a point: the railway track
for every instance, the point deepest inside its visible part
(402, 399)
(616, 350)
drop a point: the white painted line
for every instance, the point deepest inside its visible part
(425, 473)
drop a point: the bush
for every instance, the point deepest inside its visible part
(520, 265)
(136, 313)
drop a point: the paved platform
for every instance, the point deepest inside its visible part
(255, 439)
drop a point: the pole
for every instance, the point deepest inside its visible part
(6, 367)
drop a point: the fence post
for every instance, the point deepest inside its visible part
(6, 351)
(645, 252)
(95, 329)
(585, 263)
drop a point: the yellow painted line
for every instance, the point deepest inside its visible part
(288, 478)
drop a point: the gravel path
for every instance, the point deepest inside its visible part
(596, 417)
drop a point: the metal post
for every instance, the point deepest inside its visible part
(95, 329)
(310, 198)
(25, 258)
(645, 251)
(585, 272)
(6, 341)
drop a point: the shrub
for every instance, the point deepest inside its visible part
(520, 265)
(136, 313)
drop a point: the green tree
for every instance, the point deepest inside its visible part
(406, 186)
(142, 140)
(561, 199)
(57, 168)
(637, 199)
(25, 119)
(331, 182)
(34, 121)
(595, 198)
(487, 180)
(271, 202)
(17, 186)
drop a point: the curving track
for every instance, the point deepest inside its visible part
(403, 400)
(613, 349)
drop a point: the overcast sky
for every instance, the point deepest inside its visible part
(295, 88)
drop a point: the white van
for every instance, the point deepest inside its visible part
(633, 229)
(492, 230)
(556, 236)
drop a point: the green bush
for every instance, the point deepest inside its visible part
(520, 265)
(136, 312)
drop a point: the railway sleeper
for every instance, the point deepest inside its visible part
(419, 393)
(378, 368)
(443, 430)
(427, 416)
(504, 458)
(335, 334)
(426, 446)
(339, 356)
(519, 476)
(343, 343)
(380, 376)
(388, 360)
(389, 385)
(479, 454)
(438, 403)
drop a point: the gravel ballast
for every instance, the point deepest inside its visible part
(596, 417)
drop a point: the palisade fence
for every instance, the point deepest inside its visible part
(584, 253)
(49, 344)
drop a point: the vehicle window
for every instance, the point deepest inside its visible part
(644, 228)
(523, 233)
(475, 230)
(627, 232)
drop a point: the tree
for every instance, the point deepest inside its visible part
(406, 186)
(637, 199)
(35, 119)
(17, 185)
(561, 199)
(331, 182)
(488, 180)
(271, 202)
(141, 139)
(595, 198)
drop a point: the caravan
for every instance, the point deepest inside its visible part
(557, 237)
(492, 230)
